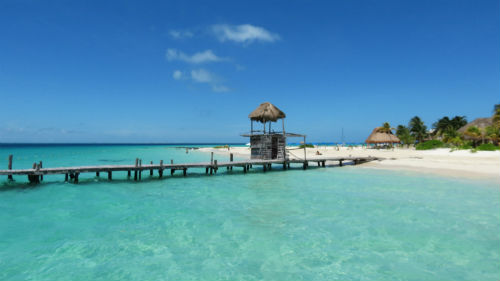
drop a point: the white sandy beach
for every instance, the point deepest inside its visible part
(460, 163)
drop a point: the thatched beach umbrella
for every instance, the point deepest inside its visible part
(266, 112)
(380, 135)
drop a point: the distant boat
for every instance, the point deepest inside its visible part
(248, 144)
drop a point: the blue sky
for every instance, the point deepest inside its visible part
(158, 71)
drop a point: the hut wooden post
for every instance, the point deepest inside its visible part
(10, 166)
(305, 154)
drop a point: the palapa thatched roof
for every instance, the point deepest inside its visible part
(481, 123)
(266, 112)
(379, 136)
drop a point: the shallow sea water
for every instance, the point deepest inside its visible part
(346, 223)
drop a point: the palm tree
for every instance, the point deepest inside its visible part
(403, 133)
(496, 116)
(386, 128)
(475, 133)
(447, 125)
(458, 122)
(418, 129)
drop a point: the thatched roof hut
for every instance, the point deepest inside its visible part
(379, 135)
(266, 112)
(481, 123)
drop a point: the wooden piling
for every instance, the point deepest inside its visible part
(10, 167)
(41, 166)
(110, 176)
(128, 173)
(340, 163)
(160, 171)
(76, 177)
(136, 166)
(140, 169)
(184, 171)
(97, 174)
(230, 160)
(215, 166)
(151, 170)
(66, 177)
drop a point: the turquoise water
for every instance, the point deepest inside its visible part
(346, 223)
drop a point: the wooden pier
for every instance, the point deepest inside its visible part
(36, 173)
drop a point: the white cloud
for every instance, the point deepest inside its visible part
(220, 88)
(202, 76)
(245, 33)
(180, 34)
(177, 75)
(196, 58)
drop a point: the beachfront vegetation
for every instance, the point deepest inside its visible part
(308, 145)
(403, 133)
(432, 144)
(487, 147)
(418, 130)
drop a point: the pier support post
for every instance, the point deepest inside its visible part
(97, 174)
(340, 163)
(140, 169)
(128, 173)
(264, 167)
(10, 167)
(172, 171)
(184, 171)
(110, 176)
(284, 165)
(151, 170)
(323, 164)
(66, 177)
(230, 160)
(206, 170)
(40, 165)
(160, 171)
(76, 177)
(215, 166)
(136, 166)
(244, 169)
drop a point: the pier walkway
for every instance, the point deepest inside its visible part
(36, 173)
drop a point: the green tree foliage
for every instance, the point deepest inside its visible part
(448, 127)
(403, 133)
(418, 130)
(432, 144)
(386, 128)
